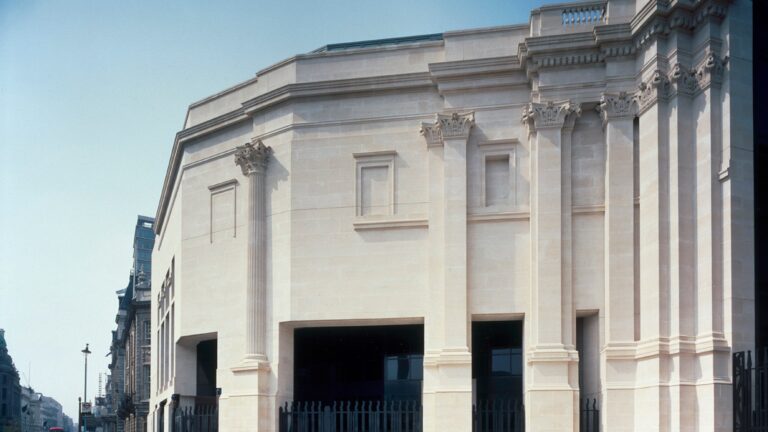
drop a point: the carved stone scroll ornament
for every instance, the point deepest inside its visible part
(682, 81)
(617, 105)
(252, 157)
(549, 115)
(649, 92)
(710, 72)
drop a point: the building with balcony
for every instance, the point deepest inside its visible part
(473, 229)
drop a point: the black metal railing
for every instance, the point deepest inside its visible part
(351, 416)
(199, 418)
(750, 392)
(589, 417)
(498, 416)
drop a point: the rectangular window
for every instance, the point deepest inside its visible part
(223, 210)
(157, 357)
(497, 185)
(146, 383)
(375, 183)
(498, 176)
(374, 194)
(172, 345)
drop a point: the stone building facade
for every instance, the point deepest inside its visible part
(538, 213)
(10, 390)
(127, 396)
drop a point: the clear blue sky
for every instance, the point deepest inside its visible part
(91, 95)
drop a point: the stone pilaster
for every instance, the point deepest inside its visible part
(254, 402)
(652, 396)
(682, 247)
(551, 357)
(447, 397)
(712, 349)
(617, 111)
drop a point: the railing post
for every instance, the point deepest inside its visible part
(172, 412)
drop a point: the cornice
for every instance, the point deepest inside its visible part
(558, 42)
(348, 52)
(486, 30)
(486, 73)
(463, 68)
(660, 17)
(224, 92)
(336, 87)
(571, 49)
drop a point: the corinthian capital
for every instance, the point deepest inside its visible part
(455, 125)
(549, 115)
(448, 126)
(252, 157)
(710, 71)
(431, 133)
(617, 106)
(648, 92)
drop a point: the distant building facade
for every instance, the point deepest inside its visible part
(51, 412)
(10, 390)
(530, 214)
(39, 413)
(31, 410)
(127, 387)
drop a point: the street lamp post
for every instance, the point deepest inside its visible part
(85, 352)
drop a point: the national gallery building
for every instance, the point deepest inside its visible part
(544, 226)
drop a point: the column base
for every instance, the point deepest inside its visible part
(252, 406)
(618, 369)
(447, 392)
(552, 396)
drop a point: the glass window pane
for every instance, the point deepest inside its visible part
(501, 361)
(417, 366)
(391, 368)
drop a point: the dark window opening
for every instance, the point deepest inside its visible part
(206, 368)
(358, 363)
(497, 360)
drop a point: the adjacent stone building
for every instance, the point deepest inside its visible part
(531, 214)
(127, 387)
(10, 390)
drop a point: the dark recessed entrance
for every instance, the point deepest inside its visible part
(497, 360)
(358, 363)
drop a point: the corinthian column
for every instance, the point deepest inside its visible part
(551, 356)
(252, 159)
